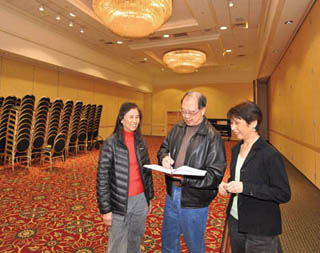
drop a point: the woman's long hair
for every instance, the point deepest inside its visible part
(125, 107)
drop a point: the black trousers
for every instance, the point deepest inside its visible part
(249, 243)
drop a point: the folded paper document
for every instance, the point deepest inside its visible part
(183, 170)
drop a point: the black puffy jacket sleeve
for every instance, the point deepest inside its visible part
(104, 174)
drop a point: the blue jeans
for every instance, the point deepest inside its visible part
(191, 222)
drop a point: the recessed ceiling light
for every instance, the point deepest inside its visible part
(228, 50)
(81, 30)
(70, 24)
(72, 14)
(288, 22)
(58, 17)
(166, 36)
(231, 4)
(145, 59)
(119, 42)
(222, 28)
(41, 8)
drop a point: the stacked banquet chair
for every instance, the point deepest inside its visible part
(66, 116)
(39, 128)
(54, 121)
(95, 131)
(91, 118)
(55, 141)
(19, 132)
(71, 145)
(7, 105)
(1, 101)
(83, 129)
(82, 136)
(18, 102)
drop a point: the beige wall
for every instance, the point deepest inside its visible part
(220, 98)
(19, 78)
(294, 100)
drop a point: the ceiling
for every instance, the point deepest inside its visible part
(257, 34)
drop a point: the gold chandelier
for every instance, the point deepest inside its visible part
(133, 18)
(184, 60)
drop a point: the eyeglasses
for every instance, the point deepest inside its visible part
(191, 113)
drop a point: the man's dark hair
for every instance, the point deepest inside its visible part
(202, 100)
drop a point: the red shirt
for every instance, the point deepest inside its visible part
(135, 183)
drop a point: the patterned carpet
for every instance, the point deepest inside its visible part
(56, 211)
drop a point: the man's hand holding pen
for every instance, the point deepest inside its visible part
(167, 162)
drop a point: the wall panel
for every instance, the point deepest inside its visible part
(17, 78)
(45, 84)
(294, 95)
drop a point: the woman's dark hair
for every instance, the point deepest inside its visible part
(125, 107)
(247, 111)
(202, 100)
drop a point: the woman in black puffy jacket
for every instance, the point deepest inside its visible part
(124, 186)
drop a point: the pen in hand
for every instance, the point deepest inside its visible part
(171, 161)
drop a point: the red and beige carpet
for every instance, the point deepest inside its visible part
(56, 211)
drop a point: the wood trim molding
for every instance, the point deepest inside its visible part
(304, 144)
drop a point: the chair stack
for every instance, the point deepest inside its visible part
(73, 131)
(66, 116)
(54, 120)
(96, 125)
(1, 101)
(17, 149)
(82, 135)
(91, 119)
(7, 105)
(39, 127)
(10, 141)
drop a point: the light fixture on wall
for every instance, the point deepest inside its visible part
(184, 60)
(134, 18)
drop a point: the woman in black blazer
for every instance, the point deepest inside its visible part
(258, 183)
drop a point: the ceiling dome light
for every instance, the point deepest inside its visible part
(184, 61)
(288, 22)
(134, 18)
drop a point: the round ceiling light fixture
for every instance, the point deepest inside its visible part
(184, 61)
(134, 18)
